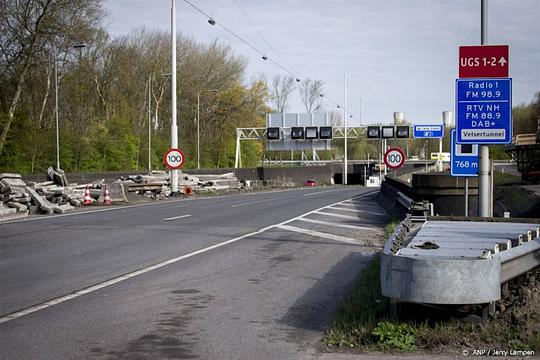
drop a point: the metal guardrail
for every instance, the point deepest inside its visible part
(465, 262)
(525, 139)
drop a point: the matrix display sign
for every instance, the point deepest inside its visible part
(484, 111)
(463, 158)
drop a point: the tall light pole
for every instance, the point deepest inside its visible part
(56, 110)
(345, 125)
(198, 122)
(150, 123)
(174, 126)
(483, 171)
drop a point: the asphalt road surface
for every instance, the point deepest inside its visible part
(233, 277)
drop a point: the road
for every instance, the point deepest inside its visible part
(229, 277)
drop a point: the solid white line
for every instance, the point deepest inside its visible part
(357, 210)
(259, 201)
(323, 192)
(176, 217)
(347, 226)
(483, 101)
(319, 234)
(116, 280)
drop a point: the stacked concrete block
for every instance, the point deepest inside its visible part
(48, 197)
(157, 183)
(15, 200)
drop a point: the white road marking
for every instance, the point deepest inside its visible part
(116, 280)
(357, 210)
(346, 226)
(319, 234)
(127, 207)
(323, 192)
(337, 215)
(357, 203)
(259, 201)
(177, 217)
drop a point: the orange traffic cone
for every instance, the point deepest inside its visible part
(87, 199)
(106, 197)
(186, 190)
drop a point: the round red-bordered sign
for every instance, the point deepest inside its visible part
(174, 159)
(394, 158)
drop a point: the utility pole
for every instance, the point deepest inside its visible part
(174, 126)
(345, 125)
(56, 110)
(150, 123)
(483, 171)
(198, 134)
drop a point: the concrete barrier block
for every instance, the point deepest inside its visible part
(7, 211)
(117, 192)
(61, 209)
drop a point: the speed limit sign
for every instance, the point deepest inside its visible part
(174, 158)
(394, 158)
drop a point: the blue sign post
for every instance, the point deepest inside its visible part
(463, 158)
(428, 131)
(484, 111)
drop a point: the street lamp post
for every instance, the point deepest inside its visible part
(174, 126)
(198, 123)
(78, 46)
(56, 110)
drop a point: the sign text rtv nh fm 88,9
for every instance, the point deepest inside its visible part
(484, 111)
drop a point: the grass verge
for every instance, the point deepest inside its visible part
(363, 321)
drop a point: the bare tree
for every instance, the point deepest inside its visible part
(334, 118)
(282, 87)
(310, 94)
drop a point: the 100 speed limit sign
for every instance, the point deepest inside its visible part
(394, 158)
(174, 158)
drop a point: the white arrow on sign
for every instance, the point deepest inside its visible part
(502, 61)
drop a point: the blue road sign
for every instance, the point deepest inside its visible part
(463, 158)
(428, 131)
(484, 111)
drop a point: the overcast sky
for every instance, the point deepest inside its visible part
(398, 55)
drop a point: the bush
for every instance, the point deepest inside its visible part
(395, 336)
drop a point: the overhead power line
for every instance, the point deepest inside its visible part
(263, 38)
(264, 56)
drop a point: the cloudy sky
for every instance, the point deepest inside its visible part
(399, 55)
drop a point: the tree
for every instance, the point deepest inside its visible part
(310, 94)
(30, 27)
(282, 87)
(526, 117)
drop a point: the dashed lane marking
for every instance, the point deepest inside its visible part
(116, 280)
(177, 217)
